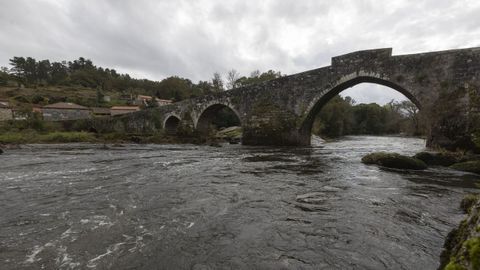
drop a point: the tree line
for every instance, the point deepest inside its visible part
(342, 116)
(29, 72)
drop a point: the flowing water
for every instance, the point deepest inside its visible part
(81, 206)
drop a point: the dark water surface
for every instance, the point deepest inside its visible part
(78, 206)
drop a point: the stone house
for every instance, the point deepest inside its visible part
(143, 100)
(5, 112)
(100, 112)
(117, 110)
(65, 111)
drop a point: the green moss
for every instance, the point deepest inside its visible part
(468, 202)
(462, 246)
(454, 266)
(394, 160)
(469, 166)
(231, 132)
(473, 249)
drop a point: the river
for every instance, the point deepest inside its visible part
(84, 206)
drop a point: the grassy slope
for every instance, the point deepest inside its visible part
(76, 94)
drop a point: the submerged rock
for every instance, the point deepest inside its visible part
(462, 246)
(394, 160)
(1, 151)
(468, 166)
(438, 159)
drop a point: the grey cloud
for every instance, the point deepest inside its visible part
(193, 39)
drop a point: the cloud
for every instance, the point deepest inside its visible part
(193, 39)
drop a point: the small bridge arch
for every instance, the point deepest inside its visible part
(209, 112)
(171, 124)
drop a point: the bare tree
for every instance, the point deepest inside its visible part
(255, 74)
(232, 78)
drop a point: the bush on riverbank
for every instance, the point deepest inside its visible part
(462, 246)
(468, 166)
(394, 160)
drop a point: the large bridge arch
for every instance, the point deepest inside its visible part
(352, 80)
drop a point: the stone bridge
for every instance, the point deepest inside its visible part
(444, 85)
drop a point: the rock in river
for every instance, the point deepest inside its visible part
(438, 159)
(394, 160)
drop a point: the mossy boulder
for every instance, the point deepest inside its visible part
(230, 134)
(438, 159)
(468, 166)
(468, 202)
(394, 160)
(462, 246)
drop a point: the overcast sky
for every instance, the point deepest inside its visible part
(194, 39)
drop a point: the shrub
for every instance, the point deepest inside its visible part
(65, 137)
(469, 201)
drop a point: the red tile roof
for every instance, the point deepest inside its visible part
(65, 105)
(125, 108)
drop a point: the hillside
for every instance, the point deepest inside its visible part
(42, 95)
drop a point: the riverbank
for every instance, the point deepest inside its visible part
(462, 246)
(29, 137)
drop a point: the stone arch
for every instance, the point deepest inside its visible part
(207, 115)
(171, 124)
(317, 104)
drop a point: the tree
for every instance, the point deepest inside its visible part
(18, 69)
(99, 97)
(30, 70)
(411, 110)
(152, 103)
(232, 79)
(4, 76)
(43, 71)
(58, 73)
(257, 77)
(205, 87)
(217, 83)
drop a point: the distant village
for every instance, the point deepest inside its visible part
(62, 111)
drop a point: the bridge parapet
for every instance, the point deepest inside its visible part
(360, 57)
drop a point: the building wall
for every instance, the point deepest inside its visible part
(65, 114)
(118, 112)
(5, 114)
